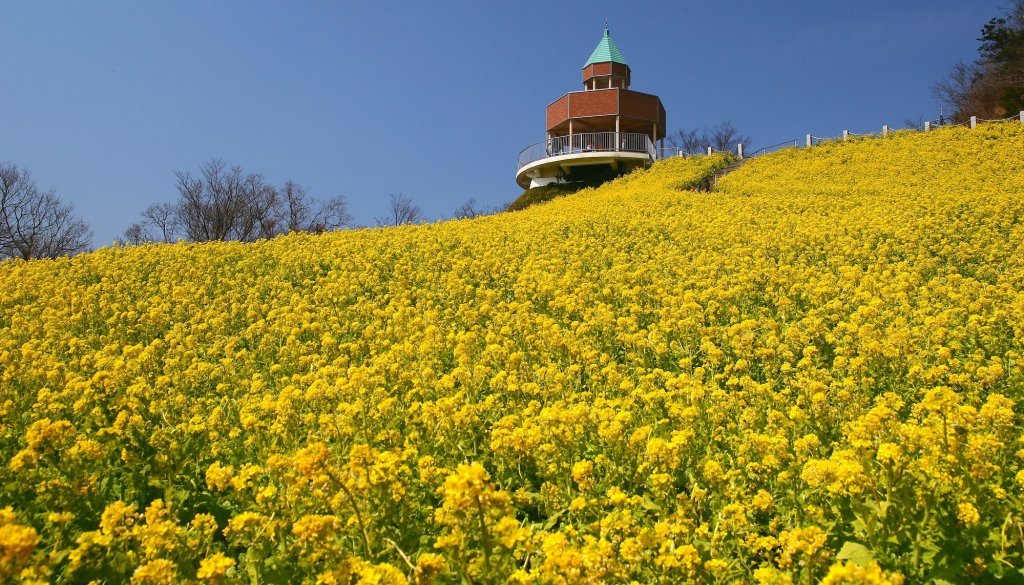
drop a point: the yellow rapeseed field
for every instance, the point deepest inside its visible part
(810, 375)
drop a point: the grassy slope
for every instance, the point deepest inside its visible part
(633, 365)
(594, 180)
(535, 195)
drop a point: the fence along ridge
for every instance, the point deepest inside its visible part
(812, 140)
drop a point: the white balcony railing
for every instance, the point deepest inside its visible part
(588, 142)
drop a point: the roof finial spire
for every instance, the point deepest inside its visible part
(606, 51)
(606, 26)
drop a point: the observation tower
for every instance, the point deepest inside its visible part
(607, 124)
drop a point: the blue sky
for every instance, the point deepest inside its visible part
(104, 100)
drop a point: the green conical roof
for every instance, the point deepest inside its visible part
(606, 51)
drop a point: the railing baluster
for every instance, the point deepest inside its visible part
(590, 142)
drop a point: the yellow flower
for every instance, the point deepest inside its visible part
(889, 452)
(60, 517)
(685, 558)
(467, 487)
(616, 496)
(204, 524)
(118, 518)
(582, 472)
(156, 572)
(245, 527)
(771, 576)
(17, 542)
(762, 500)
(380, 574)
(218, 477)
(967, 513)
(713, 471)
(313, 527)
(633, 383)
(851, 574)
(803, 543)
(214, 567)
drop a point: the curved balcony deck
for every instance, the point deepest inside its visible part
(588, 148)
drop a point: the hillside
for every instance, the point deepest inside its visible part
(810, 374)
(583, 178)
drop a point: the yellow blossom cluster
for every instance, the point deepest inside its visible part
(811, 373)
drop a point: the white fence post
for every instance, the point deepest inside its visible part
(974, 122)
(846, 135)
(885, 130)
(739, 150)
(710, 151)
(1022, 117)
(927, 126)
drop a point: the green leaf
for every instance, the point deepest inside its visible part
(649, 505)
(995, 537)
(930, 552)
(883, 509)
(252, 564)
(856, 553)
(553, 520)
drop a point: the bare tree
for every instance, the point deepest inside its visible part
(159, 224)
(689, 141)
(135, 235)
(224, 202)
(993, 85)
(299, 212)
(328, 215)
(34, 223)
(163, 219)
(913, 123)
(227, 203)
(468, 210)
(726, 137)
(401, 211)
(723, 136)
(294, 206)
(962, 92)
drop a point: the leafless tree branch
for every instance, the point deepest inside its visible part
(34, 223)
(401, 211)
(226, 203)
(723, 136)
(468, 210)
